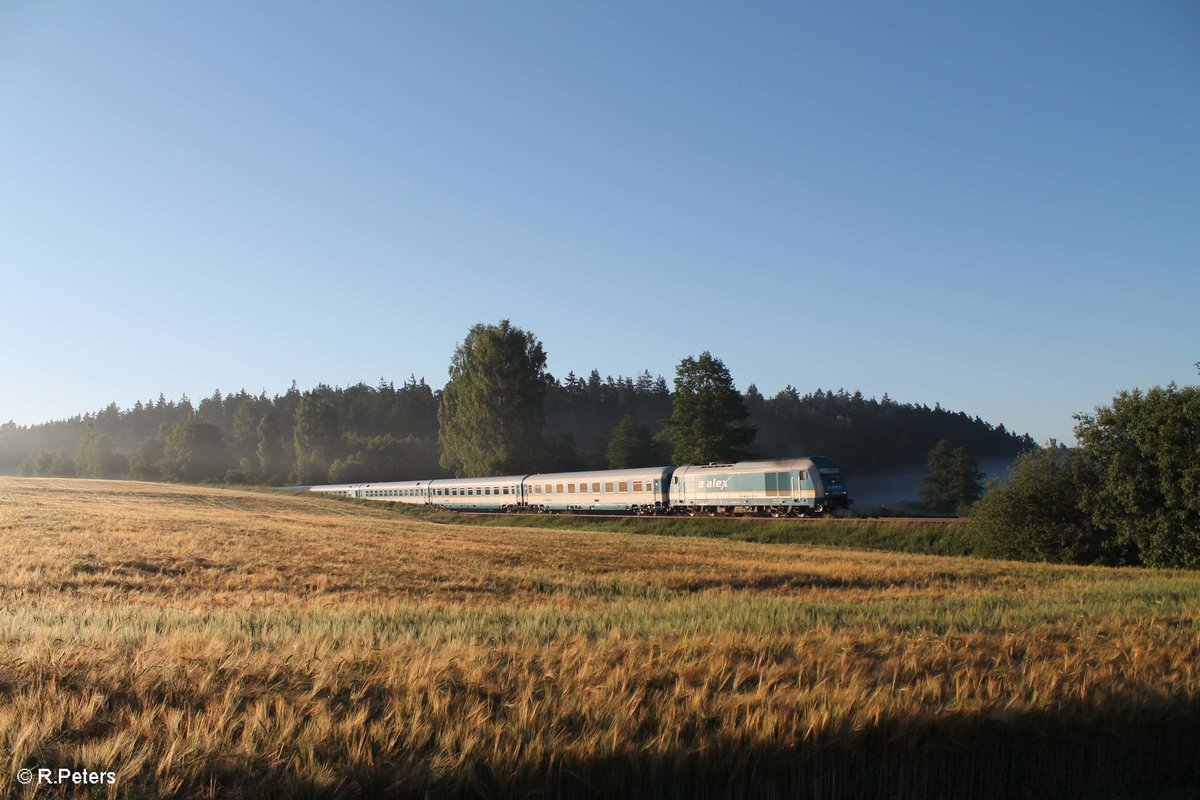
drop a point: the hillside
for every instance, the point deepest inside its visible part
(210, 642)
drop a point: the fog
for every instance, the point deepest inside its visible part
(902, 485)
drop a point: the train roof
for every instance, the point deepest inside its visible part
(777, 465)
(601, 474)
(500, 479)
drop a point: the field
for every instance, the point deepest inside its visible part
(218, 643)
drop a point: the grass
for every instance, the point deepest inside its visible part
(221, 643)
(944, 537)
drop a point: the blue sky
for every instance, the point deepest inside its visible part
(991, 206)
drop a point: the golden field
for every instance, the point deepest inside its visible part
(205, 642)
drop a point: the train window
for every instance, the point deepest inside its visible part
(505, 490)
(803, 475)
(637, 486)
(560, 488)
(596, 487)
(623, 486)
(570, 488)
(608, 488)
(676, 481)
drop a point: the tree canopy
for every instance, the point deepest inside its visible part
(1143, 453)
(708, 416)
(632, 446)
(492, 413)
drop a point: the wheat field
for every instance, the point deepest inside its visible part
(205, 642)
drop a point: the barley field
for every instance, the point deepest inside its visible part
(204, 642)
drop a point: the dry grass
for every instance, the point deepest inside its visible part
(213, 643)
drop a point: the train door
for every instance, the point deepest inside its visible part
(795, 488)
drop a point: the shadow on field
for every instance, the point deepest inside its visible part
(1113, 755)
(1024, 756)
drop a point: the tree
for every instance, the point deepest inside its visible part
(707, 421)
(1143, 452)
(146, 462)
(492, 412)
(195, 451)
(1037, 514)
(954, 481)
(316, 437)
(631, 446)
(49, 464)
(273, 460)
(94, 457)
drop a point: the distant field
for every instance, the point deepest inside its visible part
(216, 643)
(949, 536)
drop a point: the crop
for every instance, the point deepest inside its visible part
(217, 643)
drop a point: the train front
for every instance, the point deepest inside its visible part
(836, 494)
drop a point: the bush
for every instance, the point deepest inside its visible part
(1037, 514)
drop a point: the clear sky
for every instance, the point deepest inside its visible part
(992, 206)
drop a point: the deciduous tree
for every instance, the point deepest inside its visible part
(1144, 454)
(708, 415)
(491, 413)
(954, 481)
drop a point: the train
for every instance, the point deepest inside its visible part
(783, 487)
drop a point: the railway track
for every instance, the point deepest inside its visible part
(815, 520)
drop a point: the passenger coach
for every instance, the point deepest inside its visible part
(480, 494)
(638, 491)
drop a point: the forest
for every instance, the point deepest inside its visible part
(364, 432)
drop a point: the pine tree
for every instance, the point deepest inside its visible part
(631, 446)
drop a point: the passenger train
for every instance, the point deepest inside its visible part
(792, 487)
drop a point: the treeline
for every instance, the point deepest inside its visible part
(325, 434)
(387, 432)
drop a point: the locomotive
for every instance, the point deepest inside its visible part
(784, 487)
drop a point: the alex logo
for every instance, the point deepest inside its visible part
(714, 483)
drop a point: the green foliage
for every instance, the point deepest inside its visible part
(316, 437)
(1037, 514)
(1143, 453)
(492, 415)
(271, 452)
(49, 464)
(708, 415)
(195, 451)
(146, 462)
(954, 480)
(632, 446)
(94, 458)
(385, 458)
